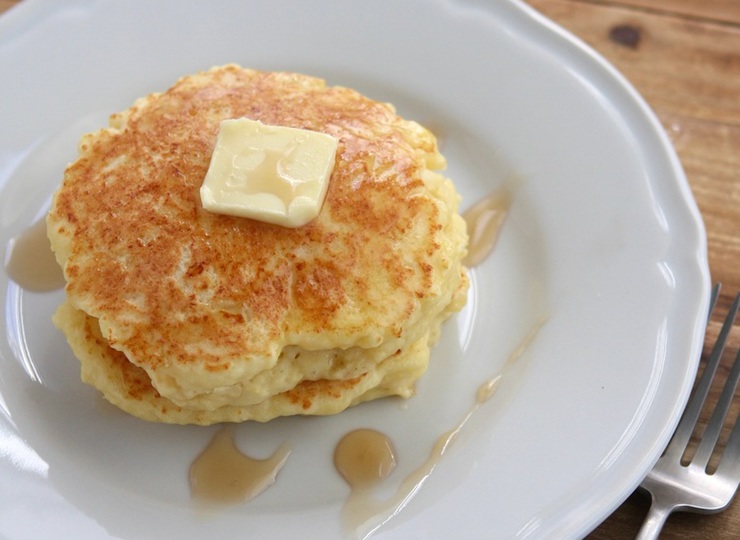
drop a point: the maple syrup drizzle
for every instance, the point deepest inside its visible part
(485, 219)
(223, 476)
(31, 263)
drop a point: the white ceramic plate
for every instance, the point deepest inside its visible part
(603, 238)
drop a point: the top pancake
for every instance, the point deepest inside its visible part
(204, 303)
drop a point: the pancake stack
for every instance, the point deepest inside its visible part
(183, 316)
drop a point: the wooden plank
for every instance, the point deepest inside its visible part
(681, 66)
(721, 11)
(7, 4)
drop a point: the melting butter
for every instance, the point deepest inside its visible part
(30, 261)
(275, 174)
(222, 475)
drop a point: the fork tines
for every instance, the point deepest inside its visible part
(731, 459)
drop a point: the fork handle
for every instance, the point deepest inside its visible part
(654, 521)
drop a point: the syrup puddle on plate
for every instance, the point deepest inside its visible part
(223, 476)
(484, 220)
(30, 261)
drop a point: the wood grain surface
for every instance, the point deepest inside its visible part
(683, 56)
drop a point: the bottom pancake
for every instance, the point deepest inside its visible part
(129, 387)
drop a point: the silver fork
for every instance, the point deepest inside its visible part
(677, 487)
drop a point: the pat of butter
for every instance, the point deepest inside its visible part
(269, 173)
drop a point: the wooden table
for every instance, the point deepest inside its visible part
(684, 57)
